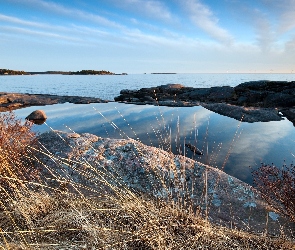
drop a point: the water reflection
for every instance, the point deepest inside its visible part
(226, 143)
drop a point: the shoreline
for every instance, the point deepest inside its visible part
(13, 101)
(257, 101)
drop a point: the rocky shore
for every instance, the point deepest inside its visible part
(257, 101)
(69, 159)
(12, 101)
(250, 101)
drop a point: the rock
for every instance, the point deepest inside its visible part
(194, 149)
(148, 99)
(289, 114)
(172, 86)
(12, 101)
(255, 101)
(199, 94)
(37, 117)
(110, 165)
(3, 99)
(279, 100)
(73, 135)
(246, 114)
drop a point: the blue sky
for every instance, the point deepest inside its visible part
(144, 36)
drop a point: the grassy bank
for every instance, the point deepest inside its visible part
(40, 211)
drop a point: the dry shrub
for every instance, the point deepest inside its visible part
(15, 162)
(277, 186)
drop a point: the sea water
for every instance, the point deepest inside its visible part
(226, 143)
(108, 86)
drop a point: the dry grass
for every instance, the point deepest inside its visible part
(63, 221)
(15, 137)
(34, 215)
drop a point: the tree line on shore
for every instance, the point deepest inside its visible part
(82, 72)
(12, 72)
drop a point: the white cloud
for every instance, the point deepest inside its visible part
(36, 30)
(150, 8)
(283, 12)
(205, 19)
(287, 21)
(15, 20)
(264, 33)
(70, 12)
(262, 137)
(40, 34)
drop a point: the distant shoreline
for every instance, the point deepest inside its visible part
(82, 72)
(163, 73)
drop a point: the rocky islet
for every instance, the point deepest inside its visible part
(251, 101)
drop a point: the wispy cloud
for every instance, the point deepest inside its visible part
(36, 30)
(149, 8)
(265, 34)
(290, 47)
(52, 7)
(204, 18)
(282, 13)
(39, 34)
(287, 20)
(15, 20)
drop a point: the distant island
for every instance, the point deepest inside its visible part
(82, 72)
(92, 72)
(12, 72)
(162, 73)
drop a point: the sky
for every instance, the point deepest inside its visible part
(148, 36)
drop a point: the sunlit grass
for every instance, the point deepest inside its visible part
(47, 208)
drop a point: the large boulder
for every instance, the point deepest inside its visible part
(94, 165)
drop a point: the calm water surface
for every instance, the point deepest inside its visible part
(108, 86)
(232, 146)
(226, 143)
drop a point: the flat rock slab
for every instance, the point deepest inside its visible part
(95, 165)
(12, 101)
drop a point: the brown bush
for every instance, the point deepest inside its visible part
(16, 164)
(277, 186)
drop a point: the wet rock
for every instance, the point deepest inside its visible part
(12, 101)
(246, 114)
(289, 114)
(194, 149)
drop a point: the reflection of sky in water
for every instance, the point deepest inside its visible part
(247, 144)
